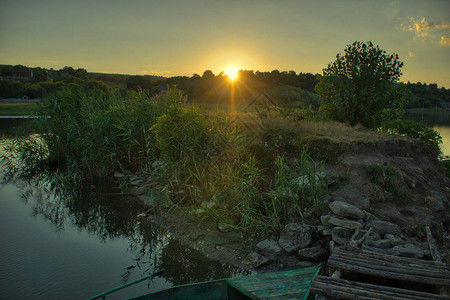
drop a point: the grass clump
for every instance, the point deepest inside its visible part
(386, 177)
(270, 203)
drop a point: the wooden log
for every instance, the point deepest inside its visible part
(391, 258)
(367, 287)
(379, 264)
(355, 290)
(395, 258)
(431, 277)
(432, 245)
(389, 273)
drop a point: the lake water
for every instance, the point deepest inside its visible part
(61, 243)
(438, 119)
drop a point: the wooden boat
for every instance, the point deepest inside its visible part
(289, 284)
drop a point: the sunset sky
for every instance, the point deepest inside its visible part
(172, 38)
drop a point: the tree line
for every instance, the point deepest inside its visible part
(205, 87)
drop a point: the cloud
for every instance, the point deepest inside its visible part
(425, 29)
(445, 40)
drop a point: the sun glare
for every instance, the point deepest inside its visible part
(232, 72)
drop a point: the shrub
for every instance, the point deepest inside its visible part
(97, 132)
(194, 144)
(358, 85)
(419, 131)
(386, 177)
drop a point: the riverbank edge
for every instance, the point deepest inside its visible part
(421, 176)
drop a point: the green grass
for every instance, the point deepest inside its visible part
(17, 109)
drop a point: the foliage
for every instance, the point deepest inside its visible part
(97, 132)
(358, 85)
(194, 143)
(194, 158)
(292, 189)
(419, 131)
(386, 177)
(293, 97)
(25, 155)
(426, 95)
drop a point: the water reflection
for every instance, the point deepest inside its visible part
(70, 213)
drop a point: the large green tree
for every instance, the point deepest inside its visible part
(360, 84)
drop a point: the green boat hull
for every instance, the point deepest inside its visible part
(290, 284)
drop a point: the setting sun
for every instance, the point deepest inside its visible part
(232, 72)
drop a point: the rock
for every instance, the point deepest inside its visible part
(142, 191)
(294, 237)
(304, 181)
(371, 237)
(322, 228)
(395, 240)
(312, 254)
(255, 260)
(344, 209)
(208, 204)
(383, 227)
(324, 219)
(341, 235)
(381, 244)
(224, 226)
(137, 182)
(345, 223)
(269, 248)
(158, 164)
(118, 175)
(303, 264)
(154, 201)
(408, 250)
(326, 232)
(198, 211)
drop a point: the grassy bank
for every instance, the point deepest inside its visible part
(17, 109)
(257, 169)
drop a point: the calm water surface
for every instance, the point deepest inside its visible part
(439, 120)
(63, 243)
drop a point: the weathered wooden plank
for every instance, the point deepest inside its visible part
(386, 266)
(412, 263)
(384, 289)
(355, 290)
(388, 274)
(392, 258)
(425, 269)
(396, 268)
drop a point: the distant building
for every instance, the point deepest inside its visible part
(445, 105)
(22, 74)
